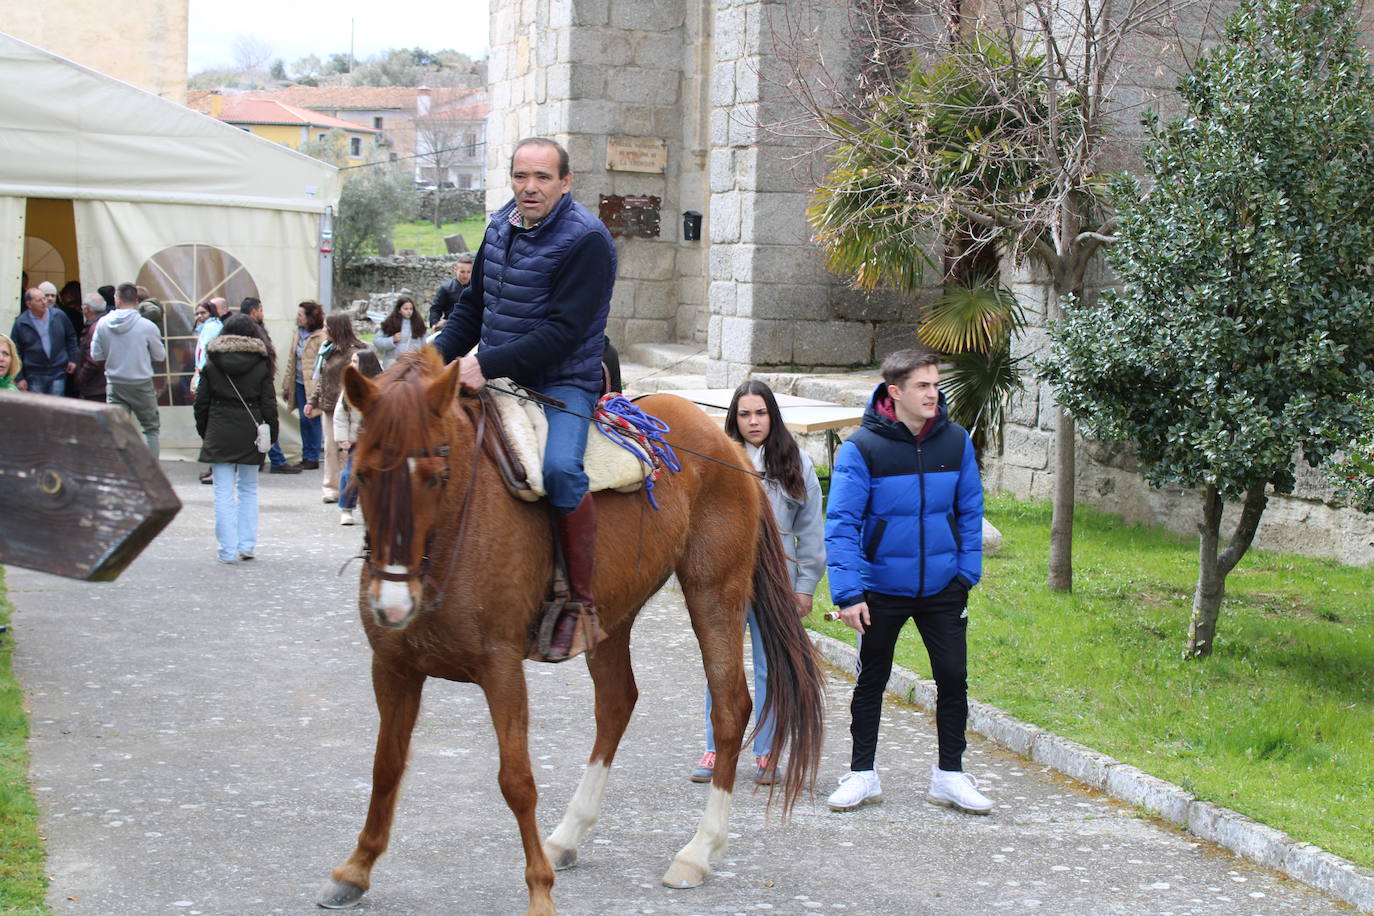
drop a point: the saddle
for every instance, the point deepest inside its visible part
(520, 432)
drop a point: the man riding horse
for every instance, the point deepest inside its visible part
(538, 301)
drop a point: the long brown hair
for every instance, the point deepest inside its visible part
(340, 328)
(781, 457)
(392, 323)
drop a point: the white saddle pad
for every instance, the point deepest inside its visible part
(608, 465)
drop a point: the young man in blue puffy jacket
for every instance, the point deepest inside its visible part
(904, 541)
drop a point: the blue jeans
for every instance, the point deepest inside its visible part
(763, 741)
(312, 437)
(276, 456)
(236, 509)
(56, 384)
(564, 479)
(347, 500)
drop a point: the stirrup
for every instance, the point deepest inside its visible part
(586, 635)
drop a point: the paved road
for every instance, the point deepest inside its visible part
(202, 739)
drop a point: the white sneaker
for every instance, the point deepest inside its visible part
(345, 516)
(857, 788)
(957, 790)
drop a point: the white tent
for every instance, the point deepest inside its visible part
(138, 188)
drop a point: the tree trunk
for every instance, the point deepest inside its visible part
(438, 223)
(1060, 578)
(1060, 575)
(1213, 568)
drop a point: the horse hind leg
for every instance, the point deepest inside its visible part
(616, 695)
(717, 609)
(398, 702)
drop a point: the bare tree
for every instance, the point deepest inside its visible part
(981, 125)
(251, 53)
(439, 147)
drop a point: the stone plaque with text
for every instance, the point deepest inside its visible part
(636, 154)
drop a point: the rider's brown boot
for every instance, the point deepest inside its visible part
(577, 628)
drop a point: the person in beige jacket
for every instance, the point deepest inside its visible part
(339, 346)
(299, 383)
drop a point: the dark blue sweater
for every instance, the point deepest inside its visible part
(538, 300)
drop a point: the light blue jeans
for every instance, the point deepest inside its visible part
(564, 478)
(236, 509)
(763, 741)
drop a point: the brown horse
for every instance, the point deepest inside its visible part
(458, 568)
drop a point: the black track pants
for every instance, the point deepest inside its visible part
(941, 620)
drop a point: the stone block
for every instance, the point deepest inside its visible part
(728, 36)
(722, 169)
(775, 217)
(646, 15)
(849, 304)
(1024, 409)
(721, 262)
(608, 47)
(1014, 480)
(1135, 787)
(658, 50)
(889, 337)
(725, 218)
(1026, 448)
(623, 298)
(615, 330)
(791, 264)
(641, 330)
(668, 122)
(656, 299)
(1042, 485)
(588, 116)
(721, 297)
(777, 300)
(746, 80)
(832, 343)
(713, 326)
(590, 12)
(1073, 759)
(992, 539)
(720, 128)
(1008, 731)
(637, 86)
(645, 259)
(723, 85)
(745, 126)
(587, 81)
(761, 343)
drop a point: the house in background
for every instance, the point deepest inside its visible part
(446, 126)
(289, 125)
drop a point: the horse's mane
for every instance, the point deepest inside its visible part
(397, 425)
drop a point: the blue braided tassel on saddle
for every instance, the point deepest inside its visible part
(637, 432)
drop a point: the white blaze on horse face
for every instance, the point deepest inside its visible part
(584, 809)
(393, 602)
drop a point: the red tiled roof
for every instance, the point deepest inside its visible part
(242, 110)
(340, 98)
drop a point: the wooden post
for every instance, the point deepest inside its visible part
(80, 494)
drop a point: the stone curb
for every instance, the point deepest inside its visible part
(1242, 835)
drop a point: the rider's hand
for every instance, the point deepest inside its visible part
(856, 616)
(309, 412)
(470, 374)
(803, 604)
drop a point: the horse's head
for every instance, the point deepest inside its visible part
(401, 465)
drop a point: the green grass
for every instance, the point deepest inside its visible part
(1278, 723)
(425, 239)
(22, 883)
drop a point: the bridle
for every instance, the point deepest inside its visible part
(426, 565)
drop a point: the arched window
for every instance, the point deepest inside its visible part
(43, 262)
(180, 277)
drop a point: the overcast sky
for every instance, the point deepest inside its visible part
(296, 28)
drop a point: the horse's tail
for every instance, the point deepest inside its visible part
(796, 688)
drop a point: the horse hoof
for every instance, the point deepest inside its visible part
(683, 875)
(561, 857)
(340, 895)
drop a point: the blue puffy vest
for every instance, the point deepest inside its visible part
(518, 270)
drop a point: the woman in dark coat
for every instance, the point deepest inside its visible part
(235, 395)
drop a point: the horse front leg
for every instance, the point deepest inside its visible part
(616, 695)
(398, 702)
(510, 715)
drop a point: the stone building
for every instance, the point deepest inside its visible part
(674, 105)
